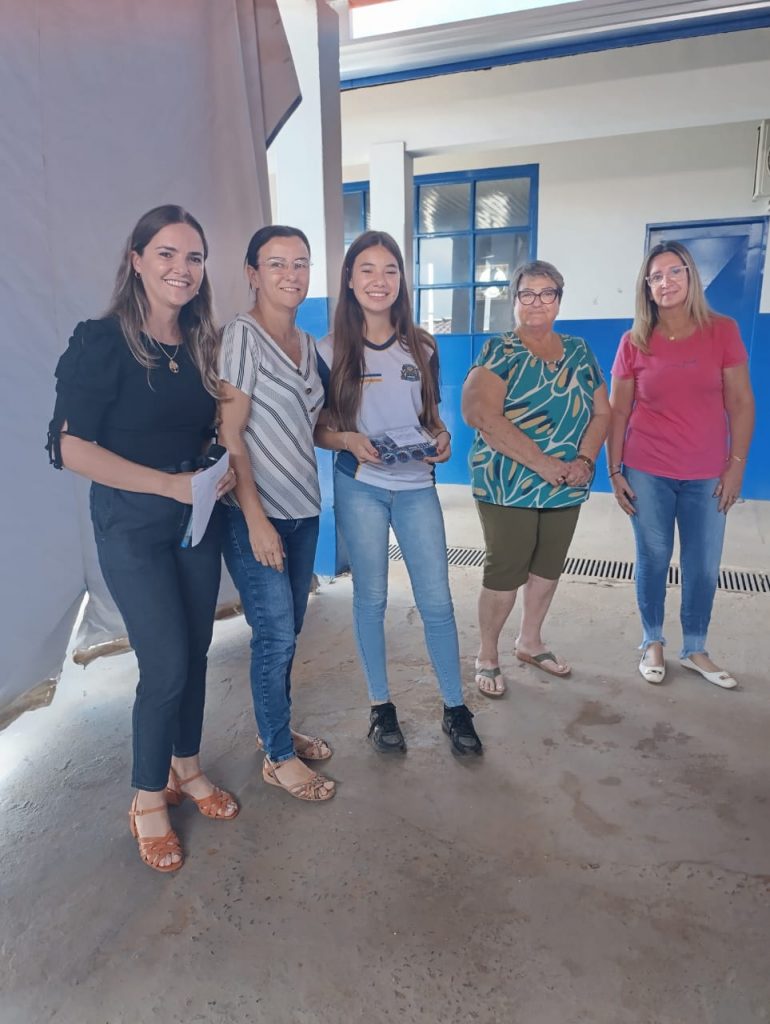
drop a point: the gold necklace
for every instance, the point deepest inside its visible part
(173, 365)
(679, 335)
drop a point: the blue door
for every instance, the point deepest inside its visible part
(730, 256)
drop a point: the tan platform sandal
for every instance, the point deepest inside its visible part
(309, 748)
(154, 849)
(314, 789)
(215, 805)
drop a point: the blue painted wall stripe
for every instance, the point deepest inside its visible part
(314, 316)
(457, 353)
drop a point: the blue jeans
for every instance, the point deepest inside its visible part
(274, 604)
(167, 596)
(660, 503)
(365, 514)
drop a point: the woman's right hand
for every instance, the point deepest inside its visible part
(624, 495)
(554, 471)
(180, 487)
(360, 446)
(266, 544)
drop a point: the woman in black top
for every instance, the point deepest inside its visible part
(136, 402)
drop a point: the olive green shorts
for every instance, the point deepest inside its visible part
(520, 541)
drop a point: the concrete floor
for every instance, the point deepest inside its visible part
(606, 862)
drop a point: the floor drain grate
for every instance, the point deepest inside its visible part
(735, 580)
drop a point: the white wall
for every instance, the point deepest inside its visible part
(597, 197)
(708, 80)
(659, 133)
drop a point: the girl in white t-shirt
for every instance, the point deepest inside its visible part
(380, 373)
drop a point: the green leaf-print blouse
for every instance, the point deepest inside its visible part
(551, 407)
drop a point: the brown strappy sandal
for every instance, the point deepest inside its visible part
(314, 789)
(212, 806)
(309, 748)
(153, 849)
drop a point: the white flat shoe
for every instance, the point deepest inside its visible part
(654, 674)
(720, 678)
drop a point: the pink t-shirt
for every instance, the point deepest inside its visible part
(678, 425)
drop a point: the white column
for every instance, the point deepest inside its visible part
(306, 158)
(305, 164)
(391, 195)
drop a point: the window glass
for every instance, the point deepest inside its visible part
(493, 312)
(353, 213)
(445, 310)
(498, 255)
(444, 260)
(445, 207)
(473, 228)
(502, 204)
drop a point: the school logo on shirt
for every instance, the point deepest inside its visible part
(410, 372)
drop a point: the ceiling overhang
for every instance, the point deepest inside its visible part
(554, 31)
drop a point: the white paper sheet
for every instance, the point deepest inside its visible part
(204, 492)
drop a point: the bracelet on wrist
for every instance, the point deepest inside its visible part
(585, 458)
(613, 473)
(444, 431)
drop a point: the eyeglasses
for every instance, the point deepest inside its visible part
(674, 273)
(548, 295)
(279, 266)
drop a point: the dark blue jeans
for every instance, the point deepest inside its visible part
(274, 604)
(167, 596)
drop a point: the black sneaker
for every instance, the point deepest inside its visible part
(384, 731)
(458, 725)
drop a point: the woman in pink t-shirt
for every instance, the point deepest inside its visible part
(682, 419)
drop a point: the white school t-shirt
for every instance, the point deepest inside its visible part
(391, 397)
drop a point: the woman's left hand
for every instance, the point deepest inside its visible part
(227, 482)
(443, 448)
(728, 490)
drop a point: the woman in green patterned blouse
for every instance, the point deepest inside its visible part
(538, 403)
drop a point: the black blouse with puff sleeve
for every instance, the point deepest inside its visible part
(150, 416)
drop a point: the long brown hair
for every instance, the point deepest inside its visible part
(130, 305)
(646, 313)
(348, 367)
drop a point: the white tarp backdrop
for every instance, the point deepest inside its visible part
(106, 110)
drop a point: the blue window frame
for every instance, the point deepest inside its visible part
(472, 228)
(355, 209)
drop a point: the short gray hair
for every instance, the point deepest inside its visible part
(536, 268)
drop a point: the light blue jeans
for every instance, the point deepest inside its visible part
(660, 503)
(364, 515)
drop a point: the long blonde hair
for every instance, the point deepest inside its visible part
(646, 313)
(129, 303)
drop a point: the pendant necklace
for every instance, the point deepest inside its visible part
(679, 335)
(173, 365)
(552, 365)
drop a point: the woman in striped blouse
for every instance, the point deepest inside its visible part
(272, 397)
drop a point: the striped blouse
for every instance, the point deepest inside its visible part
(286, 402)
